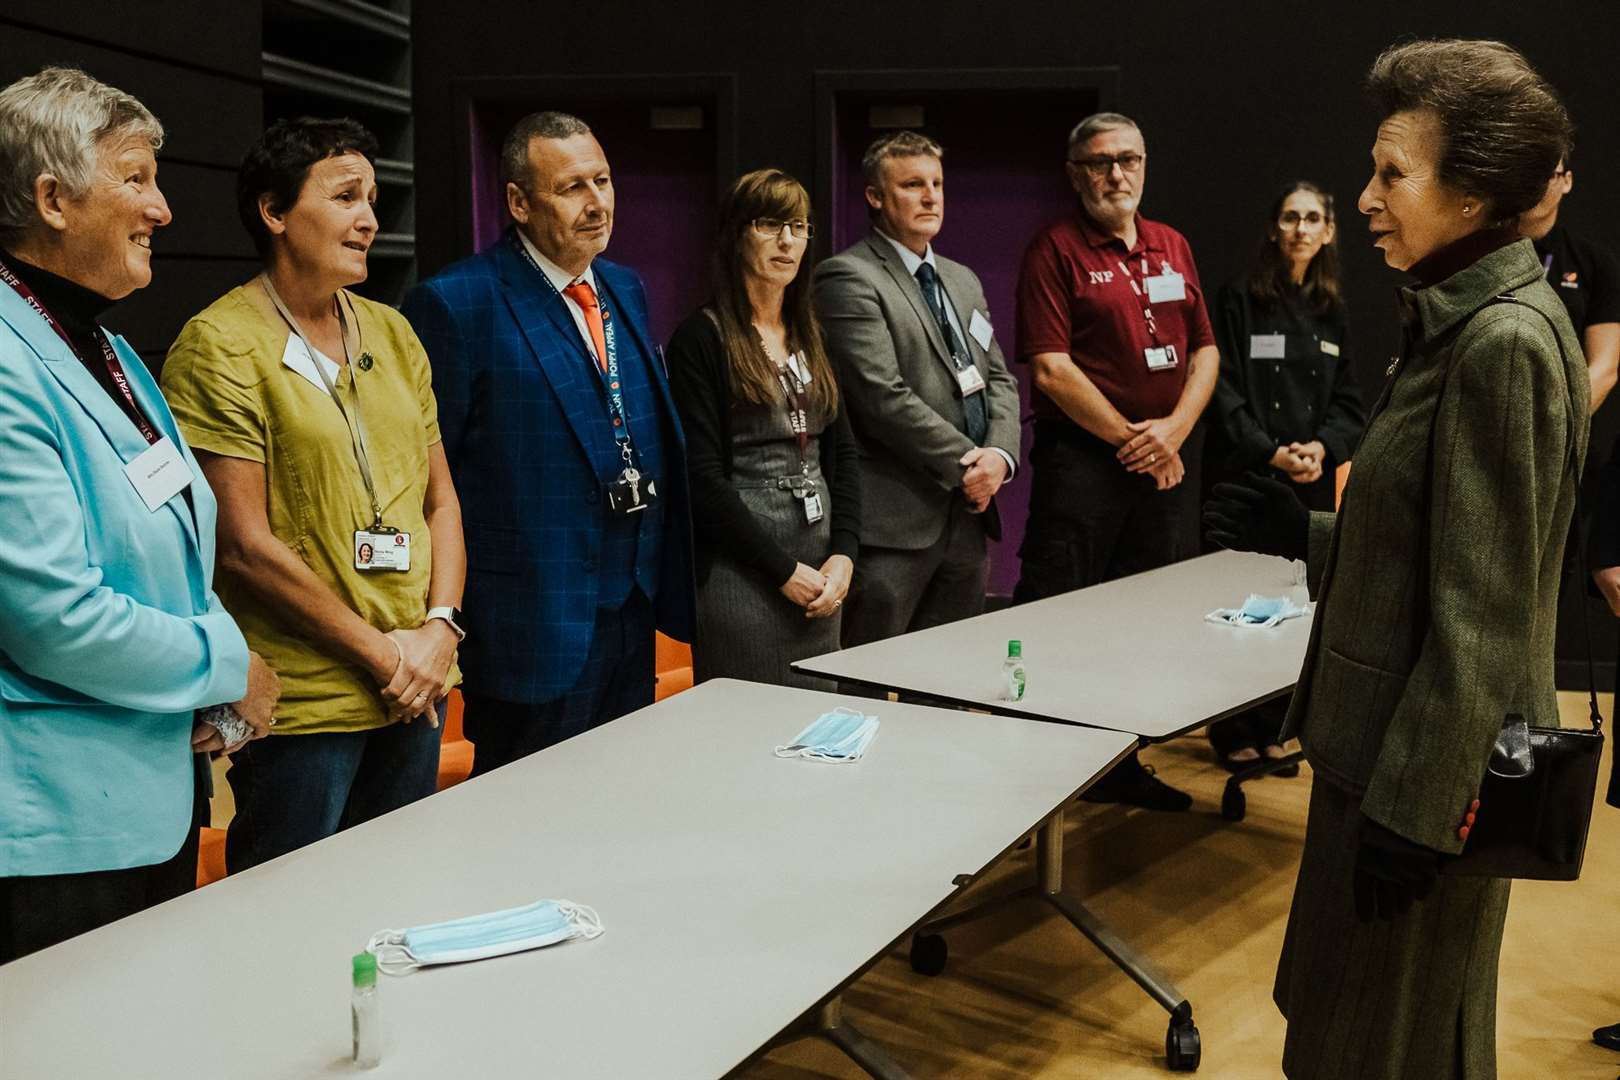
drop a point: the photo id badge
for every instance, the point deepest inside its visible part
(631, 492)
(812, 507)
(969, 381)
(382, 548)
(1166, 288)
(1161, 359)
(159, 473)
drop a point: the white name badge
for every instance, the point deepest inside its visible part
(1160, 359)
(1268, 346)
(159, 474)
(800, 367)
(1166, 287)
(1331, 348)
(969, 380)
(382, 548)
(980, 330)
(297, 358)
(812, 508)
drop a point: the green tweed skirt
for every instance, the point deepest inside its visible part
(1412, 999)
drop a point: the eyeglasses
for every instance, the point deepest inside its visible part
(772, 227)
(1289, 219)
(1103, 165)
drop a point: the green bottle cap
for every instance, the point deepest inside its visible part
(365, 969)
(1015, 648)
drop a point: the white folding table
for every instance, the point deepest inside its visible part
(1133, 655)
(740, 893)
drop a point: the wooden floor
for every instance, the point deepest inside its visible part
(1025, 996)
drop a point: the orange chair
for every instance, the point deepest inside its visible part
(455, 752)
(673, 665)
(210, 856)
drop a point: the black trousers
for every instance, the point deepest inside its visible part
(38, 912)
(1090, 521)
(618, 678)
(900, 590)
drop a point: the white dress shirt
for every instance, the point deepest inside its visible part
(912, 260)
(561, 279)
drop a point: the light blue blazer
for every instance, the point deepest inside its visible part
(110, 633)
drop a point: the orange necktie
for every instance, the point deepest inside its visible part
(581, 293)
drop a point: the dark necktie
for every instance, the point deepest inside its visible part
(978, 423)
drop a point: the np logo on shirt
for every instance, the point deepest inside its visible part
(1101, 277)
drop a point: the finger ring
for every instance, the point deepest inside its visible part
(1152, 458)
(422, 696)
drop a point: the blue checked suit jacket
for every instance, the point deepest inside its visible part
(532, 454)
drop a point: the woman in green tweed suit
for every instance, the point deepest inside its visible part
(1437, 581)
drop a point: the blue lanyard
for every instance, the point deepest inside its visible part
(615, 394)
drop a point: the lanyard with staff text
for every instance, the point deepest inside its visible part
(356, 426)
(625, 496)
(108, 356)
(798, 409)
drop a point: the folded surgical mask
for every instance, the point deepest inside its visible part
(1258, 611)
(839, 736)
(476, 937)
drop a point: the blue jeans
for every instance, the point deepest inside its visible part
(292, 790)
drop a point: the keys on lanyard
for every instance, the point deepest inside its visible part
(792, 375)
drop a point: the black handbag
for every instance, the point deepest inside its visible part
(1535, 801)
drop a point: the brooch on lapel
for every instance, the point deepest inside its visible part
(365, 361)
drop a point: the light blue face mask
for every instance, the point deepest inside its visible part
(1258, 611)
(840, 736)
(476, 937)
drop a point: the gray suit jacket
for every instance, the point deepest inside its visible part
(900, 388)
(1438, 579)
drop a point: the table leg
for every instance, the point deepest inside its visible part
(861, 1050)
(1182, 1042)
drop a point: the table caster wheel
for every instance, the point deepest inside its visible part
(1233, 803)
(928, 954)
(1182, 1048)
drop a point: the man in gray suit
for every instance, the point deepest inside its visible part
(930, 397)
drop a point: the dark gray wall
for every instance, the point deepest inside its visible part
(1234, 100)
(199, 73)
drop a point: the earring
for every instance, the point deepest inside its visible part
(1468, 209)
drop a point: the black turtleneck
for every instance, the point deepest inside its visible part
(1459, 255)
(77, 310)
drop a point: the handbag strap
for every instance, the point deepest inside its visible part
(1579, 518)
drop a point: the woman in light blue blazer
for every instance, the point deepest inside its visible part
(112, 642)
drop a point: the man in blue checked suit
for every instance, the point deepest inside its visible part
(566, 453)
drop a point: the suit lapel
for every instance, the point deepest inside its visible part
(912, 291)
(156, 410)
(554, 339)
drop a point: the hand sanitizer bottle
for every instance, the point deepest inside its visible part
(363, 1007)
(1012, 672)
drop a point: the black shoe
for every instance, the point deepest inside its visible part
(1608, 1036)
(1136, 784)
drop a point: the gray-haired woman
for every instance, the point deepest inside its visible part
(1437, 581)
(111, 637)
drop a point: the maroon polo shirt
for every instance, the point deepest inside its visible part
(1075, 296)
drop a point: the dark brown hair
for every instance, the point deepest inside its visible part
(1270, 280)
(1503, 125)
(768, 193)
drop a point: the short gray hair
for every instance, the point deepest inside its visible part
(1096, 124)
(540, 125)
(896, 144)
(53, 122)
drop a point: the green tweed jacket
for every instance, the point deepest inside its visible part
(1437, 581)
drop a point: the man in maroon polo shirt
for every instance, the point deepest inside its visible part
(1111, 316)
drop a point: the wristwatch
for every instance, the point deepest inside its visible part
(451, 617)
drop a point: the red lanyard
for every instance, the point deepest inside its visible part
(798, 410)
(108, 357)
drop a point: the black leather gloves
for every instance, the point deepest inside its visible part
(1391, 872)
(1258, 513)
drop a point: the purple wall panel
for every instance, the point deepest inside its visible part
(1003, 180)
(664, 184)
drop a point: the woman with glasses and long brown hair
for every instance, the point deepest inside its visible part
(1286, 404)
(776, 496)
